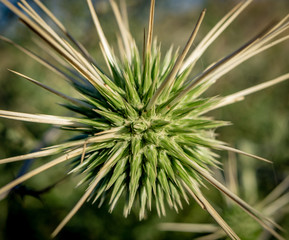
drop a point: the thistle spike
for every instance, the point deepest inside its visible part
(169, 81)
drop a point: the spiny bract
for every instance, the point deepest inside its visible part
(274, 205)
(143, 133)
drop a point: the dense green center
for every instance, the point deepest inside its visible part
(140, 125)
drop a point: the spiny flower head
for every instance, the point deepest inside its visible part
(142, 130)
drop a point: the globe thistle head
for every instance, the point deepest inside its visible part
(143, 134)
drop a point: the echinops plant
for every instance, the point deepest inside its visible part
(143, 130)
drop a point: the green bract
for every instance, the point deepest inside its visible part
(143, 133)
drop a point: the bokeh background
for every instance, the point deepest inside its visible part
(260, 124)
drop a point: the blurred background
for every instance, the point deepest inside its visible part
(260, 124)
